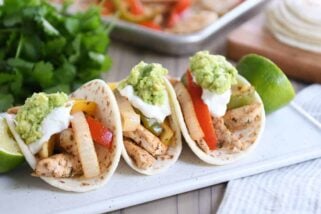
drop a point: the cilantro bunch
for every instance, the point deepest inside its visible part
(46, 49)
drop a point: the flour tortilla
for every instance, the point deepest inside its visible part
(174, 149)
(108, 113)
(222, 156)
(293, 24)
(307, 10)
(289, 28)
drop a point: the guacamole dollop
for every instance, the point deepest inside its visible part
(212, 72)
(148, 83)
(32, 113)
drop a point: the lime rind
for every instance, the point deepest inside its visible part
(9, 161)
(10, 155)
(268, 79)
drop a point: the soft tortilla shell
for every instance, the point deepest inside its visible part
(220, 156)
(292, 24)
(291, 29)
(175, 148)
(108, 113)
(307, 10)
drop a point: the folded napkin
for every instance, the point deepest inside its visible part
(294, 189)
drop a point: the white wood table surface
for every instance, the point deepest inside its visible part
(124, 57)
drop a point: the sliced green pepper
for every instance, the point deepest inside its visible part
(127, 15)
(151, 124)
(241, 95)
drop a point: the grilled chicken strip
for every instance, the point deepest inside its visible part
(142, 159)
(224, 136)
(193, 126)
(147, 140)
(58, 166)
(13, 110)
(190, 118)
(219, 6)
(195, 21)
(68, 143)
(243, 117)
(130, 119)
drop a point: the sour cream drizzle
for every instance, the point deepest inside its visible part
(56, 121)
(216, 103)
(158, 112)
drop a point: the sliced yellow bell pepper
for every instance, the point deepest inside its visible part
(48, 147)
(167, 134)
(85, 106)
(127, 15)
(113, 85)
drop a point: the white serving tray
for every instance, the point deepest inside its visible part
(290, 137)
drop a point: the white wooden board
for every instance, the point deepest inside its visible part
(289, 137)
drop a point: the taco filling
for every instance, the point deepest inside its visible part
(219, 107)
(62, 134)
(149, 129)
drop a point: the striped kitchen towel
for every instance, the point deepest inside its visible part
(294, 189)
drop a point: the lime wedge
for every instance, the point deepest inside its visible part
(268, 79)
(10, 155)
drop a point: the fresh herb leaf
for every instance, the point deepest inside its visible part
(20, 64)
(16, 84)
(5, 78)
(6, 101)
(54, 46)
(61, 88)
(66, 73)
(43, 73)
(72, 25)
(44, 49)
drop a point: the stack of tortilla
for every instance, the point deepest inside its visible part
(296, 23)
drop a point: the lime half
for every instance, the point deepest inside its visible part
(10, 155)
(268, 79)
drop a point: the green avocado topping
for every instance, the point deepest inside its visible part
(212, 72)
(148, 82)
(33, 112)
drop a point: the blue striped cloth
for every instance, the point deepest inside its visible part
(294, 189)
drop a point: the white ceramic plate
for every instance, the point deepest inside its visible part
(290, 137)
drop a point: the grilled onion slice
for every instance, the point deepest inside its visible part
(85, 144)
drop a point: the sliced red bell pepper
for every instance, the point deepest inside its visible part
(99, 133)
(136, 7)
(181, 5)
(202, 112)
(172, 19)
(151, 25)
(178, 8)
(108, 8)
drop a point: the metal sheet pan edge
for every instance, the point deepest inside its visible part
(171, 43)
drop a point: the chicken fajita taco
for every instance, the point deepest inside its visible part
(72, 142)
(221, 115)
(151, 134)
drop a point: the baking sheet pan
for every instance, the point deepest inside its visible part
(282, 144)
(172, 43)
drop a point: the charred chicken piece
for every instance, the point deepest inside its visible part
(142, 159)
(147, 140)
(58, 166)
(243, 117)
